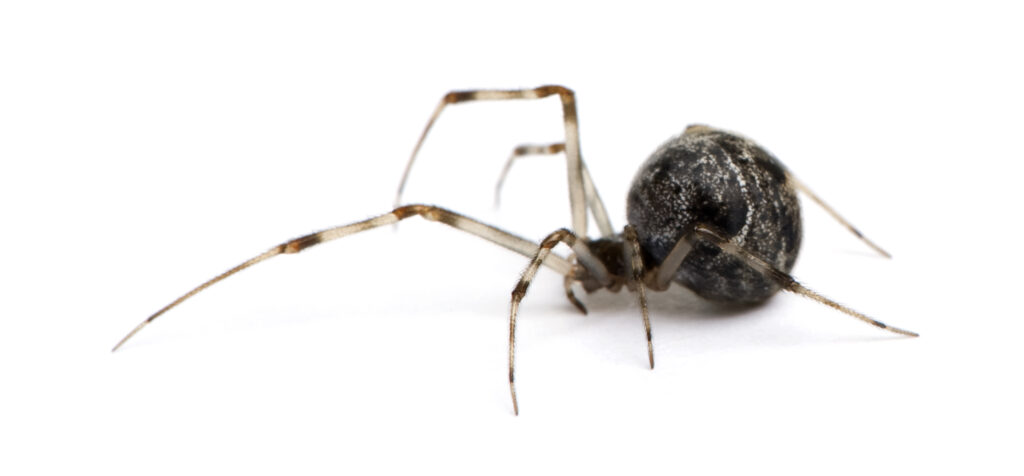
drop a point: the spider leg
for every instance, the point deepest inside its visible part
(589, 263)
(577, 199)
(521, 151)
(636, 267)
(784, 279)
(594, 202)
(571, 295)
(806, 191)
(668, 267)
(428, 212)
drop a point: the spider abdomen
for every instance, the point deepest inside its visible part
(727, 182)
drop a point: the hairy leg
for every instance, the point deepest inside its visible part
(636, 268)
(784, 280)
(577, 197)
(432, 213)
(582, 253)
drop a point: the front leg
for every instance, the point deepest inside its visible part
(586, 259)
(428, 212)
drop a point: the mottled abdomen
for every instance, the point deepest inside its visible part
(716, 178)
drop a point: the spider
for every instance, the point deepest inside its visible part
(709, 210)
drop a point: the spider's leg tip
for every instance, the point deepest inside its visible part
(878, 249)
(512, 391)
(903, 332)
(132, 333)
(119, 344)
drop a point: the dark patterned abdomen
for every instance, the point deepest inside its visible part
(719, 179)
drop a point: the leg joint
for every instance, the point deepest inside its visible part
(563, 92)
(459, 96)
(300, 243)
(557, 236)
(520, 290)
(426, 211)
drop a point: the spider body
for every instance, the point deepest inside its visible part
(709, 210)
(727, 182)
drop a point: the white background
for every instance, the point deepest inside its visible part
(146, 148)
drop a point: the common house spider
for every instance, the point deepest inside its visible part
(709, 210)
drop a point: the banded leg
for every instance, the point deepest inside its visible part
(572, 140)
(582, 253)
(806, 191)
(784, 279)
(594, 202)
(636, 268)
(571, 295)
(450, 218)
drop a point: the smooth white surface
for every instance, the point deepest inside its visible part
(145, 149)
